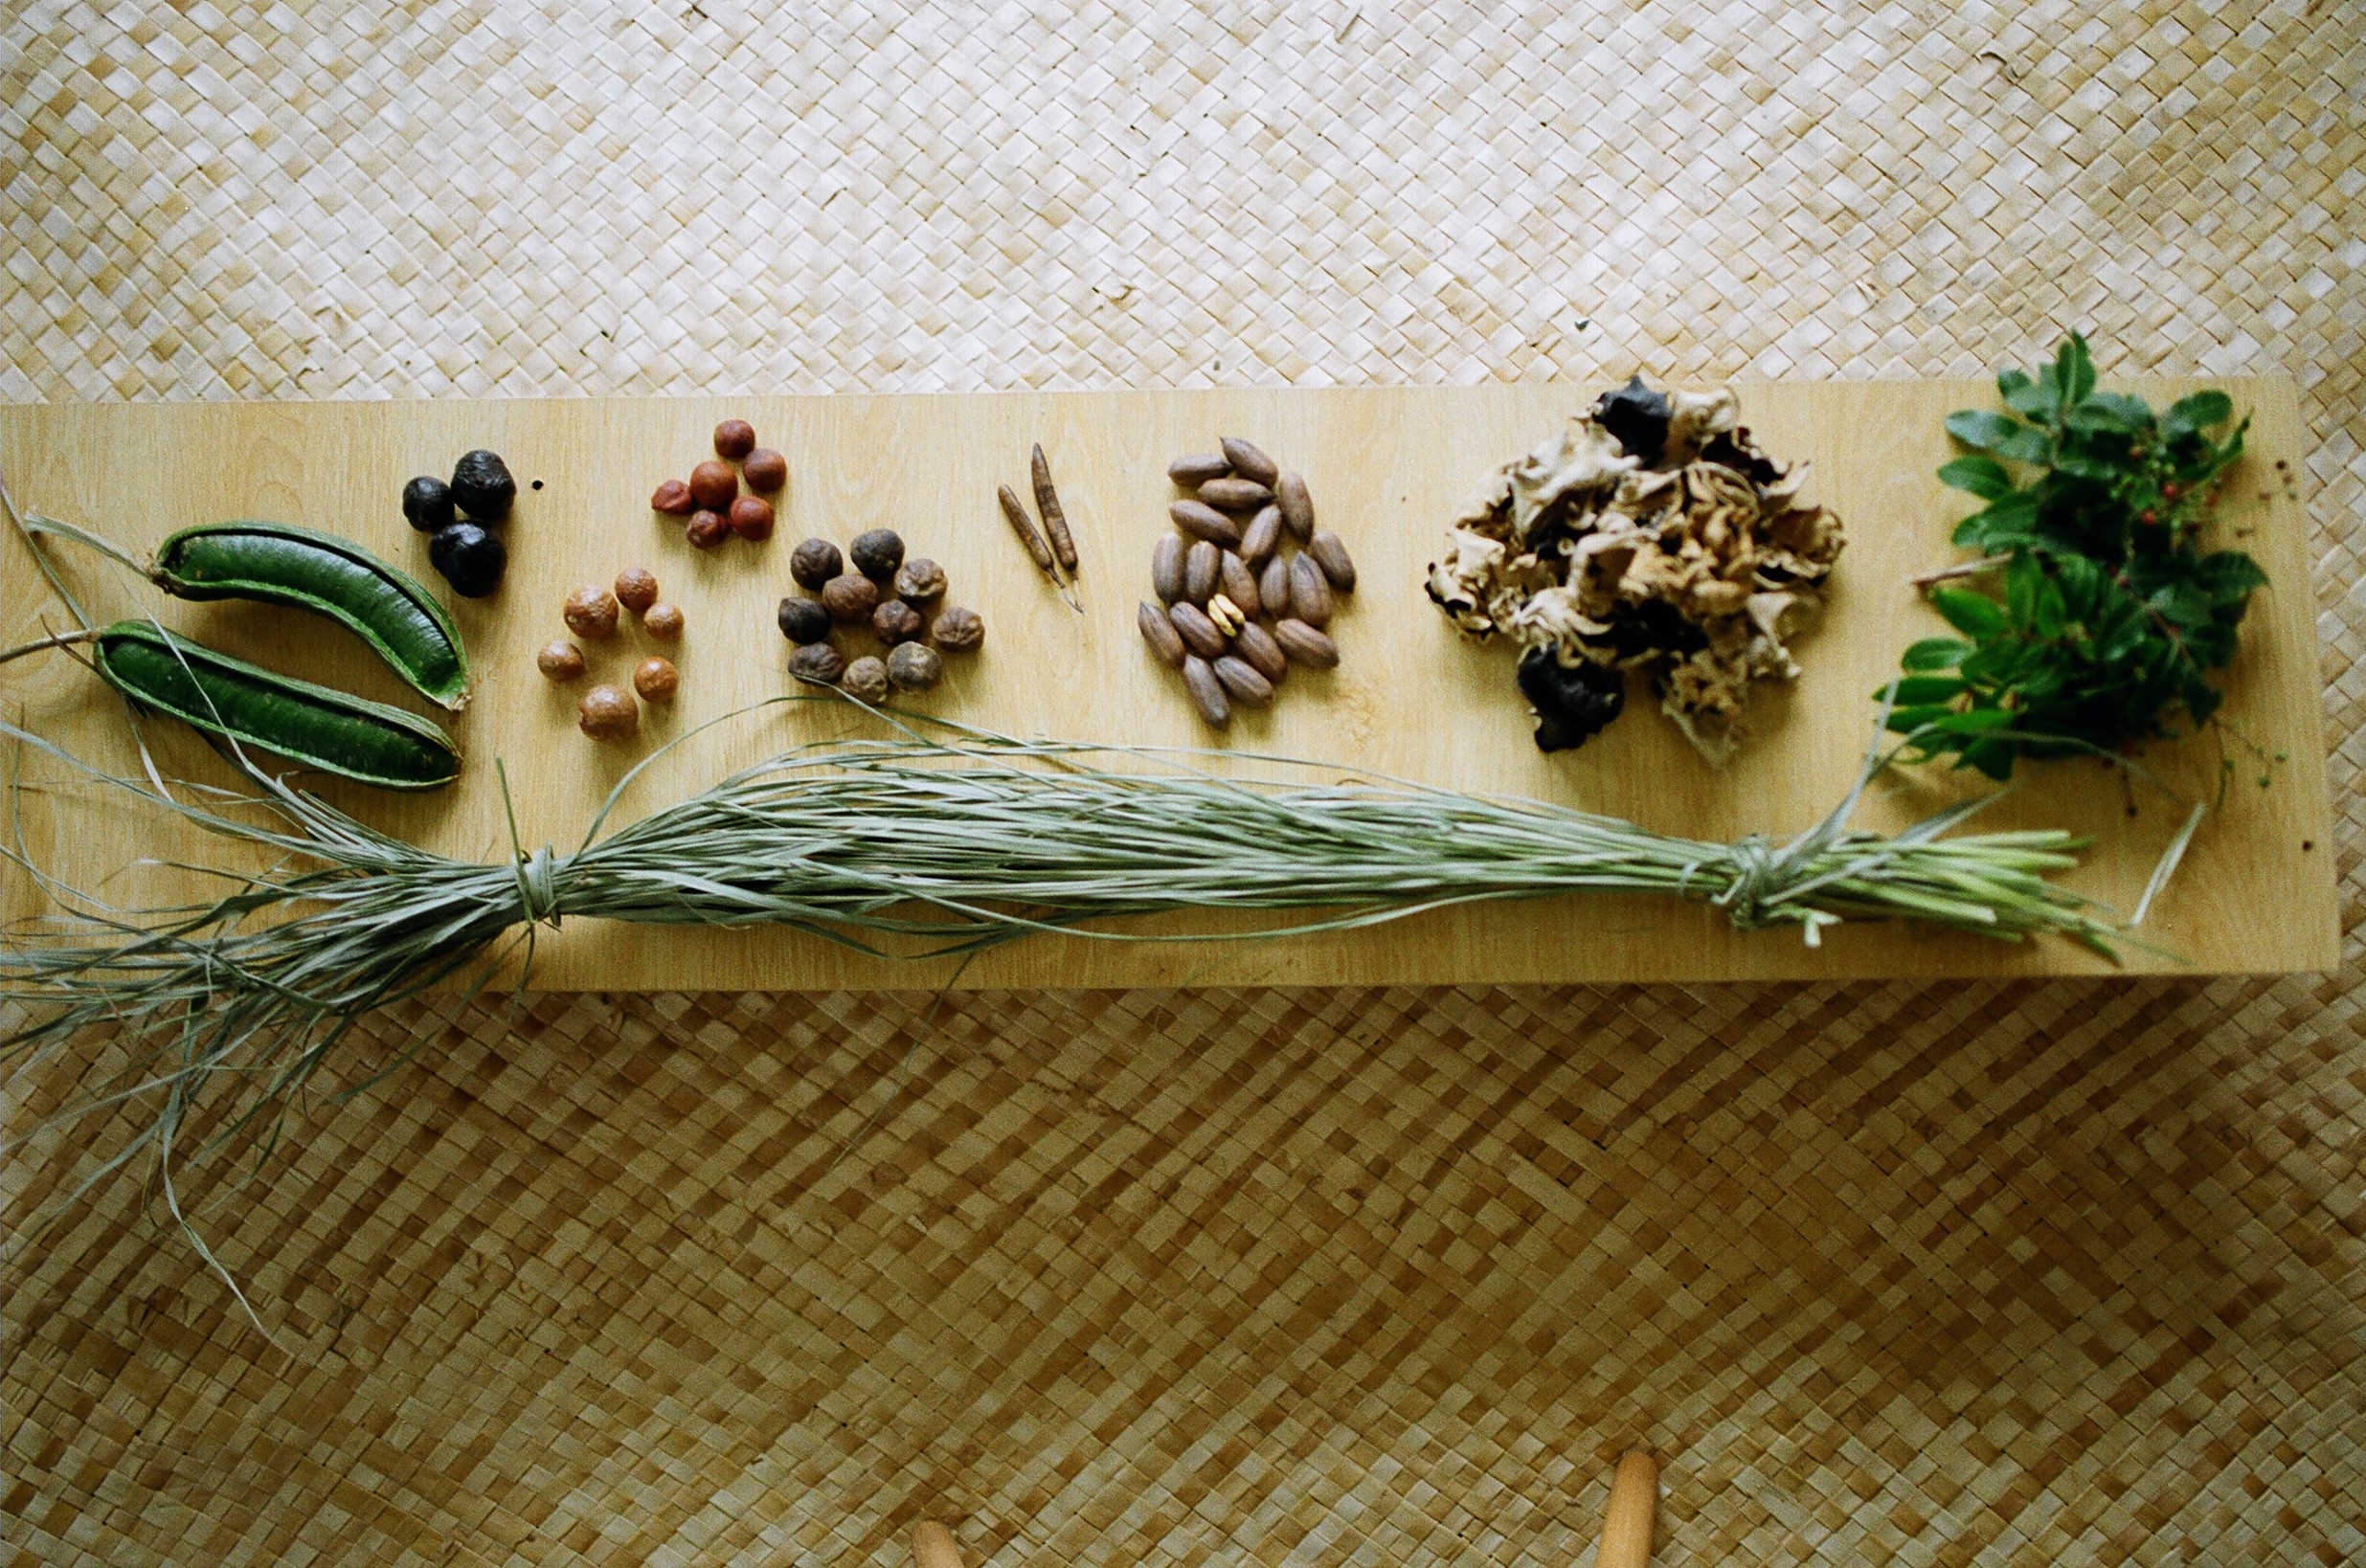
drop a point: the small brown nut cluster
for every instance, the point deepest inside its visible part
(636, 589)
(591, 612)
(607, 713)
(1235, 604)
(710, 502)
(561, 661)
(873, 588)
(607, 710)
(656, 679)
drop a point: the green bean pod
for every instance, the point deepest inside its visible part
(281, 564)
(328, 730)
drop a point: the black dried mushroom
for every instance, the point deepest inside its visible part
(481, 486)
(1571, 702)
(427, 504)
(1639, 417)
(471, 559)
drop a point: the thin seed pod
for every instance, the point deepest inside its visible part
(1055, 521)
(1024, 527)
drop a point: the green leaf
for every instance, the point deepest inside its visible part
(2074, 373)
(1933, 653)
(2007, 438)
(1991, 754)
(1975, 614)
(2030, 400)
(2008, 524)
(1977, 722)
(2113, 411)
(1916, 689)
(2190, 415)
(2020, 589)
(1983, 477)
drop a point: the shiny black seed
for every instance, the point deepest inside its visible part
(469, 558)
(805, 621)
(481, 486)
(427, 504)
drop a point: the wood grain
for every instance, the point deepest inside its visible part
(1386, 468)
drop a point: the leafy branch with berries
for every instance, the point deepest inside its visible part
(2108, 616)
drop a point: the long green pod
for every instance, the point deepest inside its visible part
(282, 564)
(328, 730)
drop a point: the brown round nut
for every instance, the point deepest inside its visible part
(896, 622)
(817, 661)
(713, 484)
(673, 498)
(849, 597)
(663, 621)
(1198, 633)
(1235, 495)
(1201, 521)
(915, 667)
(814, 563)
(561, 661)
(636, 589)
(1248, 462)
(1202, 565)
(1310, 592)
(1239, 584)
(1330, 553)
(656, 679)
(591, 612)
(765, 470)
(877, 553)
(1274, 587)
(1166, 568)
(866, 678)
(1199, 469)
(607, 713)
(1305, 645)
(706, 530)
(1262, 537)
(919, 580)
(1297, 506)
(1243, 680)
(1206, 691)
(734, 438)
(958, 631)
(1255, 644)
(1166, 644)
(751, 517)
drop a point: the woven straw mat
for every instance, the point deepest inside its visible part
(2027, 1273)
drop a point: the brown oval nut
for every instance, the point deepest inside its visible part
(765, 470)
(894, 621)
(849, 597)
(815, 562)
(1298, 505)
(1274, 587)
(1199, 469)
(751, 517)
(1248, 462)
(656, 679)
(1166, 644)
(958, 631)
(1201, 521)
(877, 554)
(663, 621)
(1234, 495)
(561, 661)
(734, 438)
(1202, 565)
(591, 612)
(713, 484)
(1206, 691)
(1198, 633)
(866, 678)
(1226, 616)
(1244, 682)
(673, 498)
(1310, 592)
(1239, 584)
(636, 589)
(1262, 537)
(706, 530)
(1306, 645)
(607, 713)
(1166, 568)
(817, 661)
(1330, 553)
(915, 667)
(1255, 644)
(919, 580)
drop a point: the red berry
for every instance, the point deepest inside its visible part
(2171, 491)
(2146, 517)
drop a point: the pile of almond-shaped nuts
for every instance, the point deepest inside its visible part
(1237, 603)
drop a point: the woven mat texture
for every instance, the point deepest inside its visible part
(2020, 1273)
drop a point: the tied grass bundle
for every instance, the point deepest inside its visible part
(925, 841)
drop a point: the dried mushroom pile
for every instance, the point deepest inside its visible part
(1652, 534)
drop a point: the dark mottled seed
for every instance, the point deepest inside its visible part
(1199, 469)
(1201, 521)
(817, 661)
(1238, 583)
(1198, 632)
(805, 621)
(1330, 553)
(877, 553)
(1166, 644)
(958, 630)
(896, 622)
(1310, 592)
(1244, 682)
(1234, 495)
(915, 667)
(1306, 645)
(1257, 646)
(1166, 568)
(1262, 537)
(1298, 505)
(849, 597)
(919, 580)
(814, 563)
(705, 530)
(866, 678)
(427, 504)
(1248, 462)
(1202, 565)
(1206, 691)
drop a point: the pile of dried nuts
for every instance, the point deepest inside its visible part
(710, 500)
(899, 601)
(593, 613)
(1229, 570)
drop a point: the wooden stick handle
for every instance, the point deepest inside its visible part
(1635, 1508)
(931, 1546)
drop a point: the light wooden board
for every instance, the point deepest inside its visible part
(1386, 468)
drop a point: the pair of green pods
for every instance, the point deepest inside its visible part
(327, 730)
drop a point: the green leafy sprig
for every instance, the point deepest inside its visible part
(2110, 615)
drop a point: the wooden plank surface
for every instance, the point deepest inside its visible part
(1387, 467)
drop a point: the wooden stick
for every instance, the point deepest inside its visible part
(931, 1546)
(1635, 1509)
(1961, 568)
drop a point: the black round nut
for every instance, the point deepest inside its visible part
(805, 621)
(427, 504)
(877, 553)
(481, 486)
(469, 558)
(814, 563)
